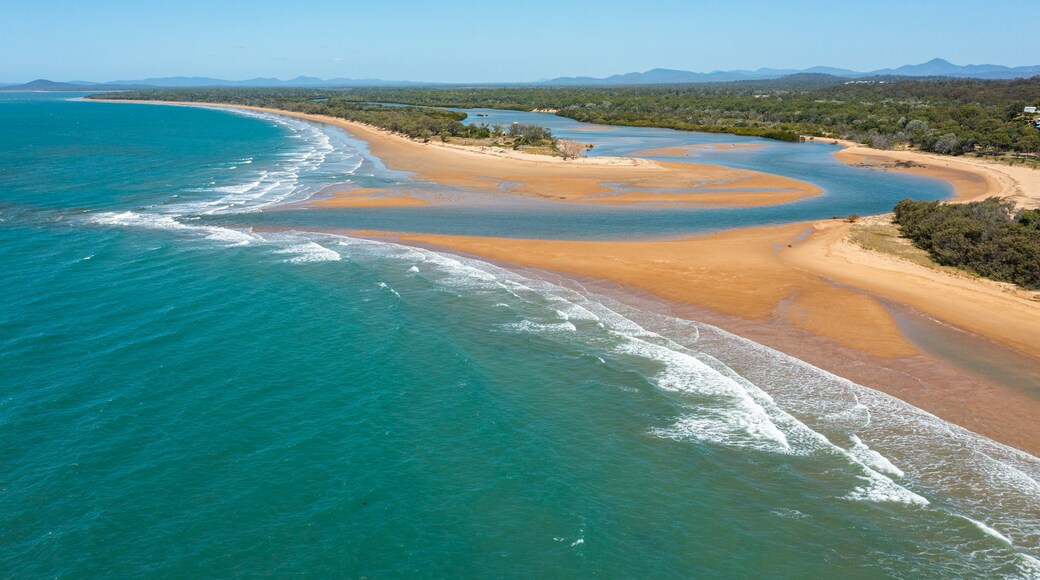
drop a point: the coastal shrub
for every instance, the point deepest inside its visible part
(945, 115)
(986, 237)
(954, 116)
(525, 134)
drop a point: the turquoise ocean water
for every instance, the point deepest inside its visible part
(187, 391)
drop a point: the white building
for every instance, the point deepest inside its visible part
(1029, 110)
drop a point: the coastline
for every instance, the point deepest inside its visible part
(805, 277)
(972, 179)
(797, 300)
(803, 273)
(583, 179)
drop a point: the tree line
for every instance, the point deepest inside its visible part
(950, 116)
(986, 237)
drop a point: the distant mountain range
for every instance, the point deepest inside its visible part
(933, 68)
(184, 82)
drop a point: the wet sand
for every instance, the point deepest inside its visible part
(582, 179)
(369, 197)
(803, 289)
(806, 273)
(972, 178)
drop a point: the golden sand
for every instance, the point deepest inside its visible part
(807, 276)
(971, 178)
(583, 179)
(370, 197)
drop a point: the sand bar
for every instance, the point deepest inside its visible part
(581, 179)
(369, 197)
(807, 277)
(972, 178)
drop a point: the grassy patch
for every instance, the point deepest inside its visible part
(880, 234)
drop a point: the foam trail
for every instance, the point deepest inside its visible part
(149, 221)
(309, 252)
(294, 175)
(896, 453)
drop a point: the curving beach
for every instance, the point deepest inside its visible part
(406, 290)
(806, 276)
(238, 336)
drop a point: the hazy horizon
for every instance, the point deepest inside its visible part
(504, 82)
(467, 42)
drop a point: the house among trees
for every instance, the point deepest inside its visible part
(1029, 110)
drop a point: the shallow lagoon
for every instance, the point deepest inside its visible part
(846, 190)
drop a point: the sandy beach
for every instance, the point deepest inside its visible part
(369, 197)
(581, 179)
(786, 272)
(806, 276)
(972, 178)
(811, 278)
(584, 179)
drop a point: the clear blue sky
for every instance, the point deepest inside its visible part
(489, 41)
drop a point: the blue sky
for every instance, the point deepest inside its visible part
(490, 41)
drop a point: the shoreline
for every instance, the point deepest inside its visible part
(804, 277)
(803, 272)
(786, 298)
(583, 179)
(972, 179)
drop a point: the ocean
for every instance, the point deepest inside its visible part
(197, 379)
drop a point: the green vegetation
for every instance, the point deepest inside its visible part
(880, 234)
(986, 237)
(949, 116)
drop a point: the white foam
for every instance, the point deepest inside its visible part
(725, 412)
(757, 409)
(537, 327)
(309, 252)
(240, 188)
(881, 489)
(170, 223)
(387, 286)
(1029, 566)
(139, 220)
(988, 530)
(872, 458)
(281, 181)
(789, 513)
